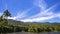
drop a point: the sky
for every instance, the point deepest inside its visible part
(32, 10)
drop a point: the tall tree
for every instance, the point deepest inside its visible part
(6, 14)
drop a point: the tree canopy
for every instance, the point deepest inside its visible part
(6, 13)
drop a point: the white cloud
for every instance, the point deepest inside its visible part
(1, 14)
(45, 14)
(57, 15)
(41, 18)
(40, 3)
(21, 15)
(38, 19)
(14, 18)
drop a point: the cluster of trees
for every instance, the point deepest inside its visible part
(30, 28)
(5, 27)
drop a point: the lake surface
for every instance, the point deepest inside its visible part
(35, 33)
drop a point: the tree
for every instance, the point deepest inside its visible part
(6, 14)
(0, 18)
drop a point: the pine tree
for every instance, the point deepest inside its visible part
(6, 14)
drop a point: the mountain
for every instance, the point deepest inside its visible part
(44, 23)
(14, 22)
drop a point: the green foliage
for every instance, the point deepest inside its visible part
(4, 27)
(6, 13)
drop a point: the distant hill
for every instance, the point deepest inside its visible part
(14, 22)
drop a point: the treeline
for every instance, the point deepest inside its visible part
(8, 28)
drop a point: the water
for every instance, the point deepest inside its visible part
(35, 33)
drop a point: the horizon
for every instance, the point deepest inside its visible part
(32, 10)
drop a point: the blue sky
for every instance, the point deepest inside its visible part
(32, 10)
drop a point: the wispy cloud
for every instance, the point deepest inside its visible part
(44, 14)
(24, 13)
(41, 4)
(6, 5)
(42, 18)
(1, 14)
(21, 14)
(38, 19)
(57, 15)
